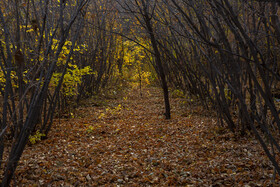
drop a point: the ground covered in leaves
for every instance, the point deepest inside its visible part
(126, 141)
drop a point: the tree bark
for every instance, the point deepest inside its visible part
(159, 65)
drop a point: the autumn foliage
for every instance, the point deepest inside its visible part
(86, 88)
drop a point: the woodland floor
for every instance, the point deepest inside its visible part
(126, 141)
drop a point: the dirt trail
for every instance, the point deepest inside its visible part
(126, 141)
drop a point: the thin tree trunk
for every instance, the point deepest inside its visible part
(159, 65)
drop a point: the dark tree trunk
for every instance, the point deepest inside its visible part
(159, 65)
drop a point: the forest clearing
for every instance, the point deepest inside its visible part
(139, 93)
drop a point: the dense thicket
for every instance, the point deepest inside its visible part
(225, 53)
(54, 53)
(37, 42)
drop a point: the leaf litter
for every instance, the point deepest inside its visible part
(129, 143)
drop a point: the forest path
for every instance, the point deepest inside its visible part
(127, 141)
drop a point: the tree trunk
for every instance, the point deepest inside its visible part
(158, 65)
